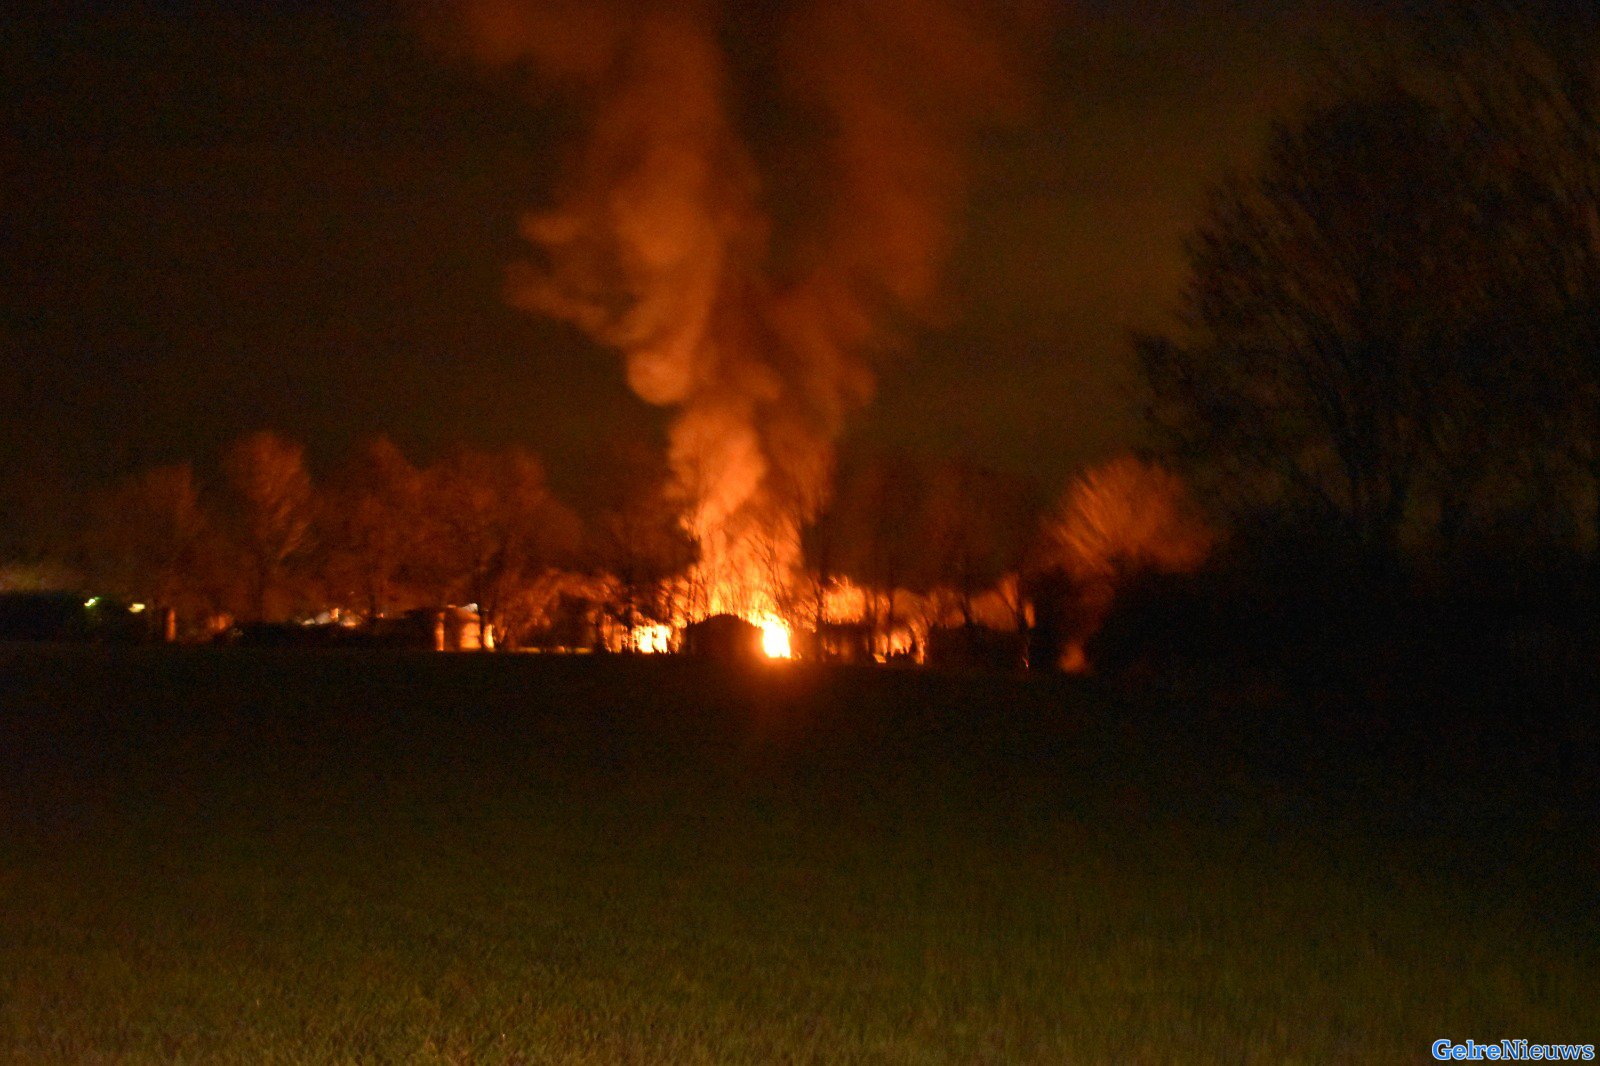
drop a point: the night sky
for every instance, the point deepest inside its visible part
(224, 217)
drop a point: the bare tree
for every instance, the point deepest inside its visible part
(639, 540)
(146, 541)
(1400, 313)
(496, 528)
(1525, 78)
(975, 527)
(869, 533)
(370, 541)
(268, 510)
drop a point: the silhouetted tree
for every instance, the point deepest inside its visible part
(1386, 322)
(370, 543)
(869, 533)
(1524, 78)
(146, 542)
(496, 528)
(975, 527)
(268, 509)
(638, 538)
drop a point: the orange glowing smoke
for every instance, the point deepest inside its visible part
(757, 196)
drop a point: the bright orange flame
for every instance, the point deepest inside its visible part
(652, 639)
(775, 637)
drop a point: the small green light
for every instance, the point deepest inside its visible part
(91, 601)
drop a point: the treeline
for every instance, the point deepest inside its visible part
(379, 536)
(903, 546)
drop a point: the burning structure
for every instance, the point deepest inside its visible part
(761, 193)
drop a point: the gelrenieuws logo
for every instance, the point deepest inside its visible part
(1512, 1051)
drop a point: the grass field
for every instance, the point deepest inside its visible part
(234, 856)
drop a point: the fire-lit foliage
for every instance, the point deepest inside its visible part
(268, 510)
(1126, 517)
(370, 530)
(1118, 521)
(499, 532)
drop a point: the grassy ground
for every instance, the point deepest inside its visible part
(296, 857)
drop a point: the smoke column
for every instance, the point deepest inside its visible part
(765, 191)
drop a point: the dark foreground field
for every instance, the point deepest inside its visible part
(257, 857)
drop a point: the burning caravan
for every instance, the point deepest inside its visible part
(725, 637)
(729, 638)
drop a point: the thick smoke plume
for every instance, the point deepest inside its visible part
(765, 193)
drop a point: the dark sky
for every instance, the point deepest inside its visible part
(223, 217)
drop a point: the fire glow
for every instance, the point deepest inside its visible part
(670, 242)
(775, 638)
(652, 639)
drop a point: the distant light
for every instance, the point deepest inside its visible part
(91, 601)
(135, 608)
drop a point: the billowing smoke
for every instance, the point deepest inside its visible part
(765, 195)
